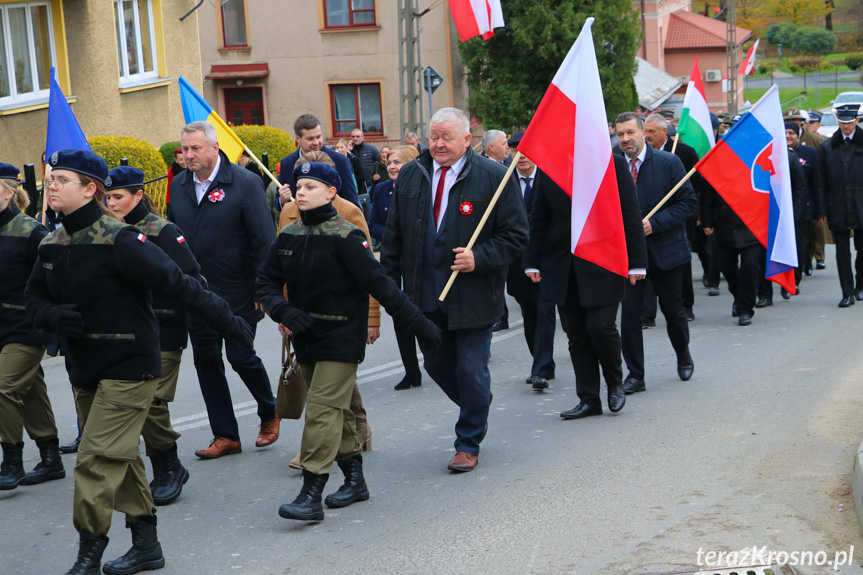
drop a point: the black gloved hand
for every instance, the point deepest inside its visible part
(239, 334)
(68, 322)
(206, 347)
(296, 319)
(427, 333)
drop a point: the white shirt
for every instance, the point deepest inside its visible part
(522, 183)
(201, 187)
(451, 177)
(638, 159)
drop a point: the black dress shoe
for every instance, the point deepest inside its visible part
(763, 302)
(408, 381)
(786, 295)
(632, 385)
(648, 322)
(690, 316)
(819, 265)
(858, 294)
(581, 410)
(685, 365)
(808, 270)
(616, 398)
(734, 310)
(744, 319)
(500, 324)
(539, 382)
(71, 447)
(846, 302)
(713, 291)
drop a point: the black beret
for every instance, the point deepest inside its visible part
(793, 126)
(125, 177)
(8, 172)
(516, 138)
(81, 161)
(318, 171)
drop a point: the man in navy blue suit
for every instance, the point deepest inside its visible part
(655, 173)
(309, 137)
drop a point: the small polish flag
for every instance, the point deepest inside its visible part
(142, 238)
(365, 244)
(476, 18)
(181, 239)
(748, 64)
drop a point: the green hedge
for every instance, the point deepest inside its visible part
(140, 155)
(277, 143)
(167, 151)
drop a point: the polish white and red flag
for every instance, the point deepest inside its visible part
(748, 64)
(476, 18)
(568, 139)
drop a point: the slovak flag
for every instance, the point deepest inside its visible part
(749, 168)
(476, 17)
(748, 64)
(572, 114)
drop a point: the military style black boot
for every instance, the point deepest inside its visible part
(307, 506)
(168, 481)
(12, 468)
(90, 549)
(146, 551)
(354, 488)
(51, 466)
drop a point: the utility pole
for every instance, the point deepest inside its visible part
(410, 70)
(731, 53)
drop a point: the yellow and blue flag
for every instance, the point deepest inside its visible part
(196, 109)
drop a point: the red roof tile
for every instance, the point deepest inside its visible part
(688, 31)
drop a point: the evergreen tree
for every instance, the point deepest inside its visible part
(510, 72)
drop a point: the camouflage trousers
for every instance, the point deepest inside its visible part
(24, 402)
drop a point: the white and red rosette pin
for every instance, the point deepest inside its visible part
(216, 195)
(466, 208)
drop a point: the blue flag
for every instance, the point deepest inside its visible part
(63, 129)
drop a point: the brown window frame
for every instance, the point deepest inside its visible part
(358, 119)
(224, 38)
(351, 12)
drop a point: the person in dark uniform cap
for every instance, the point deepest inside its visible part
(24, 402)
(329, 271)
(839, 197)
(92, 284)
(126, 198)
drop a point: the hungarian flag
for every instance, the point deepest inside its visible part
(694, 127)
(572, 115)
(196, 109)
(749, 169)
(748, 64)
(476, 18)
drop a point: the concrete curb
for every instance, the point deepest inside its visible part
(857, 483)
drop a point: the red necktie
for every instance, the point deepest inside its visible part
(439, 193)
(634, 170)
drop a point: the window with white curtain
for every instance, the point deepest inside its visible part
(136, 42)
(26, 51)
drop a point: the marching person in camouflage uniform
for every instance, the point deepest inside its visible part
(92, 284)
(125, 197)
(24, 399)
(329, 271)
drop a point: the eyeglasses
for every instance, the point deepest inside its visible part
(59, 183)
(356, 136)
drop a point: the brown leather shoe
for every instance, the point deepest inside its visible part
(269, 433)
(463, 461)
(218, 447)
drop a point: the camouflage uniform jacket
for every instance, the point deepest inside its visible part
(19, 241)
(328, 269)
(106, 270)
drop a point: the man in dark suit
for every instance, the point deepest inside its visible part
(534, 299)
(496, 147)
(587, 295)
(222, 210)
(655, 173)
(309, 137)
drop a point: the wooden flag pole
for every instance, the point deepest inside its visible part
(482, 221)
(669, 194)
(262, 166)
(674, 145)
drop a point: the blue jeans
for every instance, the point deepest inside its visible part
(217, 395)
(460, 368)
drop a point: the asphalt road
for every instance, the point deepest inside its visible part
(755, 450)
